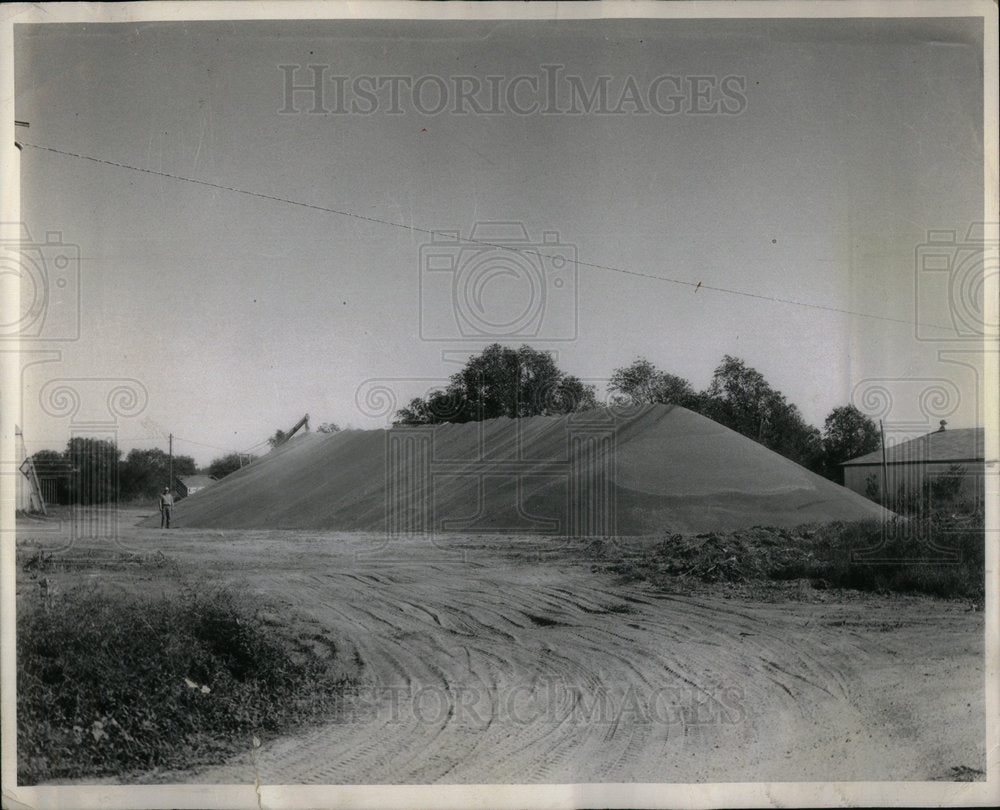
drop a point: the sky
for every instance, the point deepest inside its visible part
(797, 191)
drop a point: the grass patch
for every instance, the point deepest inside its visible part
(940, 555)
(115, 683)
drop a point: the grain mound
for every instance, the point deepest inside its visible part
(651, 469)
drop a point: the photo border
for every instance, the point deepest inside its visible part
(503, 795)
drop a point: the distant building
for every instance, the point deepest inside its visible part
(190, 484)
(958, 455)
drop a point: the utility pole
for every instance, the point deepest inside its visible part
(170, 465)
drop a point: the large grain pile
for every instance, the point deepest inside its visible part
(667, 469)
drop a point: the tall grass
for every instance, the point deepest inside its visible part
(940, 554)
(111, 683)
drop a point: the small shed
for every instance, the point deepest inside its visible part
(957, 456)
(29, 490)
(190, 484)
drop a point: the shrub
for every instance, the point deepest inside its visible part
(941, 554)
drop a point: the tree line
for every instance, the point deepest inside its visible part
(92, 471)
(503, 381)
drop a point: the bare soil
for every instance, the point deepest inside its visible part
(514, 659)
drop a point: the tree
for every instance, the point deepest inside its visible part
(740, 398)
(418, 412)
(643, 383)
(573, 395)
(328, 427)
(791, 436)
(222, 466)
(278, 438)
(847, 434)
(93, 467)
(501, 381)
(145, 473)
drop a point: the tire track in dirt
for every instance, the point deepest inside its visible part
(500, 669)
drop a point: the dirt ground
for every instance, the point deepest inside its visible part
(500, 659)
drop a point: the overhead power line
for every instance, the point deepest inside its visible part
(160, 439)
(483, 243)
(204, 444)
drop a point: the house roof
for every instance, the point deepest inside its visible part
(962, 444)
(193, 481)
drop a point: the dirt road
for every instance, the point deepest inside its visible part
(509, 660)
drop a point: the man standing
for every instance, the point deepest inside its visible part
(166, 504)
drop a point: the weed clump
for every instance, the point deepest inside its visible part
(111, 683)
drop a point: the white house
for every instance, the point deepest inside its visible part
(953, 453)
